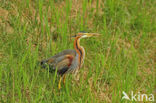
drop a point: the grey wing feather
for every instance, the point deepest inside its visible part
(58, 60)
(65, 52)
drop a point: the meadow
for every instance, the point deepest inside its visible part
(121, 59)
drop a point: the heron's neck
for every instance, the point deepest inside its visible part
(80, 50)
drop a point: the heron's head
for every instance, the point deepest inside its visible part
(85, 35)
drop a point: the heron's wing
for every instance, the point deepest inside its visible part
(63, 65)
(61, 61)
(58, 57)
(65, 52)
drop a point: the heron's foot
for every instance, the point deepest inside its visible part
(64, 79)
(59, 85)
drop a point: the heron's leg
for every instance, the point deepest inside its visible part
(64, 79)
(59, 85)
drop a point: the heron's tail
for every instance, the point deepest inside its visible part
(44, 64)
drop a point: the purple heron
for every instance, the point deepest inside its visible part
(68, 61)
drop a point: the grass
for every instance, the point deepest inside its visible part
(122, 59)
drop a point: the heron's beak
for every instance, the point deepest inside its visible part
(84, 35)
(92, 34)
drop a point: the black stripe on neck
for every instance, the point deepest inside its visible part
(79, 51)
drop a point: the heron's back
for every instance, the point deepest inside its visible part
(65, 61)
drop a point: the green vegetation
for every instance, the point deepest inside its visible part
(122, 59)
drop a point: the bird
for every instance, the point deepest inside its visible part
(68, 61)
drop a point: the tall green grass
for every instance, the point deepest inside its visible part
(122, 59)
